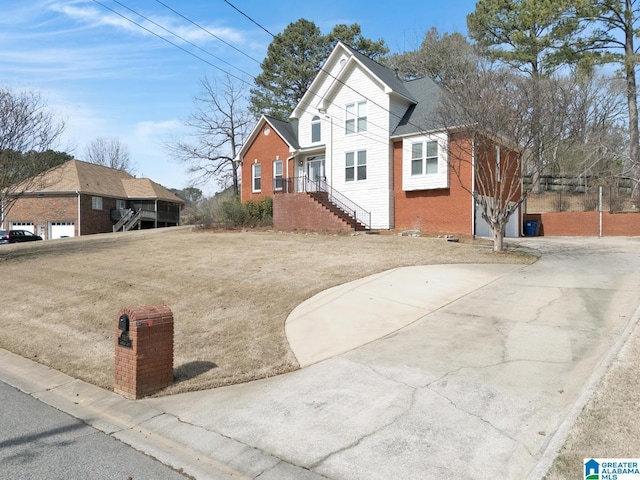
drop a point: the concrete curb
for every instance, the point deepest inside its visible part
(559, 438)
(188, 448)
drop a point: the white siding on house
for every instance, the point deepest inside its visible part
(371, 194)
(398, 108)
(425, 181)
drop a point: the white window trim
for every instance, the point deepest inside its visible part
(276, 176)
(356, 112)
(253, 178)
(96, 203)
(356, 158)
(425, 181)
(316, 121)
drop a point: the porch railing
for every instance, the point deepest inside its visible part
(344, 203)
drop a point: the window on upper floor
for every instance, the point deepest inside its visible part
(355, 166)
(277, 175)
(316, 129)
(422, 163)
(356, 118)
(96, 203)
(256, 177)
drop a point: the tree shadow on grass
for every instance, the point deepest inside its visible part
(191, 370)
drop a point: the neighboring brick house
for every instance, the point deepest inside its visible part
(79, 198)
(363, 149)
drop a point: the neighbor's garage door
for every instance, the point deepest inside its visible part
(62, 229)
(28, 226)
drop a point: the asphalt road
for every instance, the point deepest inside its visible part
(39, 442)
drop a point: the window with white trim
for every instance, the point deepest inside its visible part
(356, 118)
(316, 129)
(424, 160)
(256, 175)
(277, 175)
(96, 203)
(355, 166)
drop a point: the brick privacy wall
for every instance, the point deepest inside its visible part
(147, 366)
(300, 211)
(264, 150)
(586, 224)
(443, 210)
(42, 210)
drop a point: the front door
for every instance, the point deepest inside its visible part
(315, 171)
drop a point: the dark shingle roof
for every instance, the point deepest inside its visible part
(385, 74)
(423, 116)
(285, 130)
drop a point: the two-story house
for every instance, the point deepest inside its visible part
(364, 149)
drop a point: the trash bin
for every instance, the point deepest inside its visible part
(531, 228)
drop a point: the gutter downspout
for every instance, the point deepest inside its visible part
(156, 207)
(79, 217)
(473, 188)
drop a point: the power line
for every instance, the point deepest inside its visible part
(322, 69)
(380, 139)
(248, 17)
(207, 31)
(171, 33)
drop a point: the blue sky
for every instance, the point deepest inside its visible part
(110, 78)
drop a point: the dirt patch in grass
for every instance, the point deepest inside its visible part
(230, 294)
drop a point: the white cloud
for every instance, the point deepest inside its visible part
(83, 12)
(154, 128)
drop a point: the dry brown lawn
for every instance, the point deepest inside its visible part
(230, 294)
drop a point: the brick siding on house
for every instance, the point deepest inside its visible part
(96, 221)
(44, 209)
(300, 211)
(444, 210)
(264, 150)
(586, 224)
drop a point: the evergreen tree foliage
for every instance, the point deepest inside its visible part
(294, 58)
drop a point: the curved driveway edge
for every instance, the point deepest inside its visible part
(476, 389)
(485, 386)
(348, 316)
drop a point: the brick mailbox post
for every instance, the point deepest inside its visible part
(144, 350)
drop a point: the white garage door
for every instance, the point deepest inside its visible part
(62, 229)
(28, 226)
(484, 230)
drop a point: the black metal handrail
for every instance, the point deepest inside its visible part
(344, 203)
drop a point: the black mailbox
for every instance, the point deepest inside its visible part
(123, 323)
(123, 326)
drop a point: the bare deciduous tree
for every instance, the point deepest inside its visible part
(488, 117)
(26, 126)
(577, 126)
(109, 152)
(219, 125)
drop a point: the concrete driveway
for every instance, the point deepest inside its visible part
(483, 385)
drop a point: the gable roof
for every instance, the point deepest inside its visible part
(285, 130)
(87, 178)
(386, 75)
